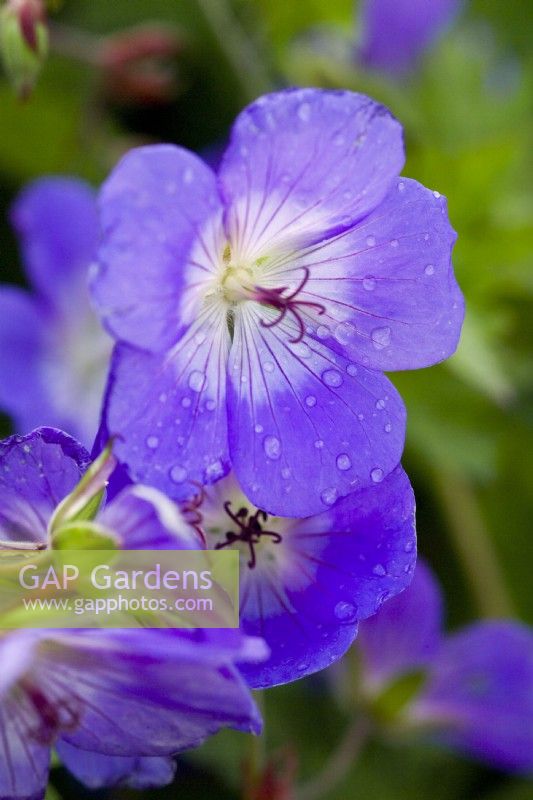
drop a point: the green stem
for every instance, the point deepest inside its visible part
(340, 762)
(255, 757)
(237, 47)
(473, 545)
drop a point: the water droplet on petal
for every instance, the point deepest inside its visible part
(436, 194)
(379, 569)
(387, 428)
(302, 349)
(381, 337)
(310, 400)
(210, 405)
(258, 428)
(394, 242)
(345, 611)
(152, 442)
(429, 270)
(370, 241)
(377, 475)
(272, 447)
(351, 369)
(401, 186)
(409, 547)
(178, 474)
(344, 332)
(197, 380)
(369, 284)
(329, 496)
(322, 332)
(380, 404)
(214, 471)
(319, 444)
(332, 377)
(186, 402)
(285, 473)
(268, 366)
(304, 112)
(343, 462)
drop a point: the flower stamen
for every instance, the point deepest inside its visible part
(250, 530)
(288, 304)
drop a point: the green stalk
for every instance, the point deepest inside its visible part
(473, 545)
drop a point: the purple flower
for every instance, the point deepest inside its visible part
(477, 696)
(255, 309)
(306, 583)
(396, 32)
(117, 702)
(53, 353)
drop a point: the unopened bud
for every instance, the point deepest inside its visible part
(23, 42)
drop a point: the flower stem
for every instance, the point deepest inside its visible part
(255, 757)
(339, 762)
(473, 545)
(237, 47)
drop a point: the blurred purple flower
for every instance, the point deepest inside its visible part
(120, 695)
(477, 696)
(306, 583)
(256, 309)
(117, 703)
(394, 33)
(53, 352)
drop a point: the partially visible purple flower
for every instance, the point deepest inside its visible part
(306, 583)
(256, 309)
(115, 701)
(96, 770)
(131, 695)
(53, 352)
(477, 696)
(394, 33)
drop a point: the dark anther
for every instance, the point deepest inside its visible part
(249, 530)
(288, 303)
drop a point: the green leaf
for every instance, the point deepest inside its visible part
(83, 535)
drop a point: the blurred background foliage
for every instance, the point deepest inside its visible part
(467, 112)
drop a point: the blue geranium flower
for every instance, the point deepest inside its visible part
(256, 308)
(394, 33)
(306, 583)
(54, 354)
(477, 690)
(113, 702)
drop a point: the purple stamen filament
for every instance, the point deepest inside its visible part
(249, 530)
(287, 303)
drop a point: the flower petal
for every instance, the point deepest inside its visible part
(57, 222)
(36, 472)
(481, 690)
(405, 634)
(24, 763)
(395, 32)
(330, 572)
(145, 519)
(96, 770)
(23, 391)
(387, 284)
(169, 411)
(153, 208)
(303, 164)
(305, 425)
(149, 693)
